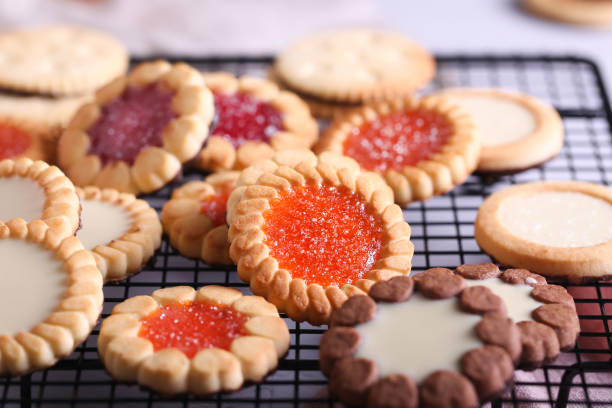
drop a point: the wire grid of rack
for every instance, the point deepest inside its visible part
(442, 232)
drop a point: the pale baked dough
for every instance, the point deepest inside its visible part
(52, 112)
(587, 12)
(128, 357)
(153, 167)
(121, 231)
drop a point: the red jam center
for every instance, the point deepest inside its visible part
(242, 118)
(130, 123)
(13, 141)
(215, 206)
(398, 139)
(193, 326)
(323, 234)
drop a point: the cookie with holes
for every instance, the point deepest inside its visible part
(121, 231)
(254, 119)
(307, 232)
(139, 129)
(180, 340)
(421, 147)
(51, 296)
(195, 218)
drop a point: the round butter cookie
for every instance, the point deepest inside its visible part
(52, 112)
(180, 340)
(587, 12)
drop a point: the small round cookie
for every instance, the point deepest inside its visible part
(53, 112)
(516, 130)
(560, 229)
(421, 147)
(50, 296)
(180, 340)
(194, 218)
(254, 119)
(24, 138)
(587, 12)
(307, 234)
(355, 66)
(139, 130)
(121, 231)
(59, 60)
(33, 190)
(397, 347)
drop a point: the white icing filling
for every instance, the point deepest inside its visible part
(102, 222)
(22, 197)
(558, 219)
(33, 282)
(499, 121)
(517, 298)
(418, 337)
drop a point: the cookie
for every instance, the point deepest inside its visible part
(139, 130)
(355, 66)
(516, 130)
(59, 60)
(417, 350)
(53, 112)
(180, 340)
(121, 231)
(254, 119)
(560, 229)
(421, 147)
(307, 232)
(22, 138)
(33, 190)
(195, 218)
(590, 12)
(51, 296)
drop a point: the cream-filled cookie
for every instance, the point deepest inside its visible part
(560, 229)
(181, 340)
(121, 231)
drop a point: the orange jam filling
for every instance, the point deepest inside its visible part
(397, 140)
(13, 141)
(215, 206)
(323, 234)
(193, 326)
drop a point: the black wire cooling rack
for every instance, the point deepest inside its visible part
(442, 232)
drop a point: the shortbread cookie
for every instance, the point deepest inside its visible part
(588, 12)
(396, 345)
(59, 60)
(194, 218)
(180, 340)
(355, 66)
(139, 130)
(254, 118)
(516, 130)
(53, 112)
(50, 296)
(33, 190)
(421, 147)
(560, 229)
(309, 234)
(22, 138)
(121, 231)
(545, 314)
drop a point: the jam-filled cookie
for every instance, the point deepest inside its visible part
(121, 231)
(50, 296)
(421, 147)
(33, 190)
(307, 232)
(23, 138)
(254, 119)
(139, 129)
(194, 218)
(181, 340)
(560, 229)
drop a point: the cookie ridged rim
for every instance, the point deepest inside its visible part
(125, 256)
(300, 130)
(250, 199)
(153, 167)
(129, 357)
(445, 169)
(192, 232)
(76, 313)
